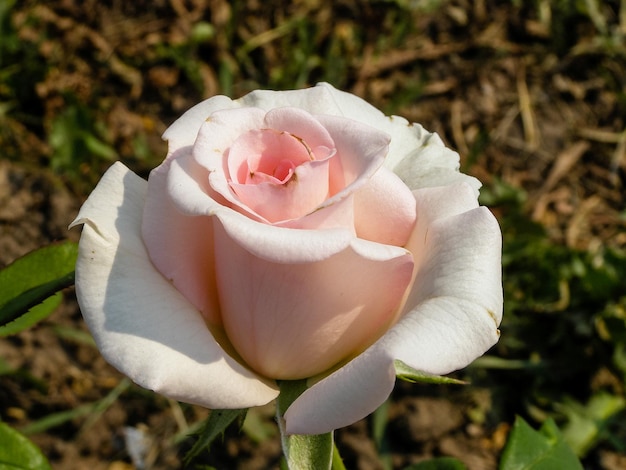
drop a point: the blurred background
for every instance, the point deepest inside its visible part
(532, 94)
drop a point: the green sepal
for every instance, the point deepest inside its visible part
(303, 452)
(408, 374)
(214, 426)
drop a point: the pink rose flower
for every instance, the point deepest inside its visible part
(290, 235)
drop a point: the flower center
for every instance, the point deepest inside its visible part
(277, 174)
(284, 171)
(271, 156)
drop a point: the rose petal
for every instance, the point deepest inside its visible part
(291, 320)
(180, 246)
(218, 132)
(430, 164)
(361, 151)
(266, 155)
(264, 245)
(255, 156)
(212, 146)
(302, 125)
(419, 157)
(337, 215)
(384, 209)
(438, 203)
(345, 396)
(451, 318)
(184, 130)
(188, 190)
(191, 198)
(142, 325)
(306, 191)
(414, 153)
(279, 245)
(315, 100)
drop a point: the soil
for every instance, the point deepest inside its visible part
(521, 109)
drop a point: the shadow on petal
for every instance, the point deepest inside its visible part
(142, 325)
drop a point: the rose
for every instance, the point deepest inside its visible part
(289, 235)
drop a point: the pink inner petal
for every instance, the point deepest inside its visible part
(277, 175)
(385, 209)
(304, 125)
(284, 170)
(262, 152)
(300, 195)
(273, 311)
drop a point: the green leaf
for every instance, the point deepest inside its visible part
(213, 427)
(34, 315)
(31, 283)
(545, 449)
(586, 423)
(408, 374)
(303, 452)
(17, 452)
(439, 463)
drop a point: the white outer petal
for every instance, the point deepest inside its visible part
(184, 130)
(142, 325)
(175, 242)
(419, 157)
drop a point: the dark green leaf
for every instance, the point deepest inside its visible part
(545, 449)
(213, 427)
(30, 283)
(17, 452)
(408, 374)
(34, 315)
